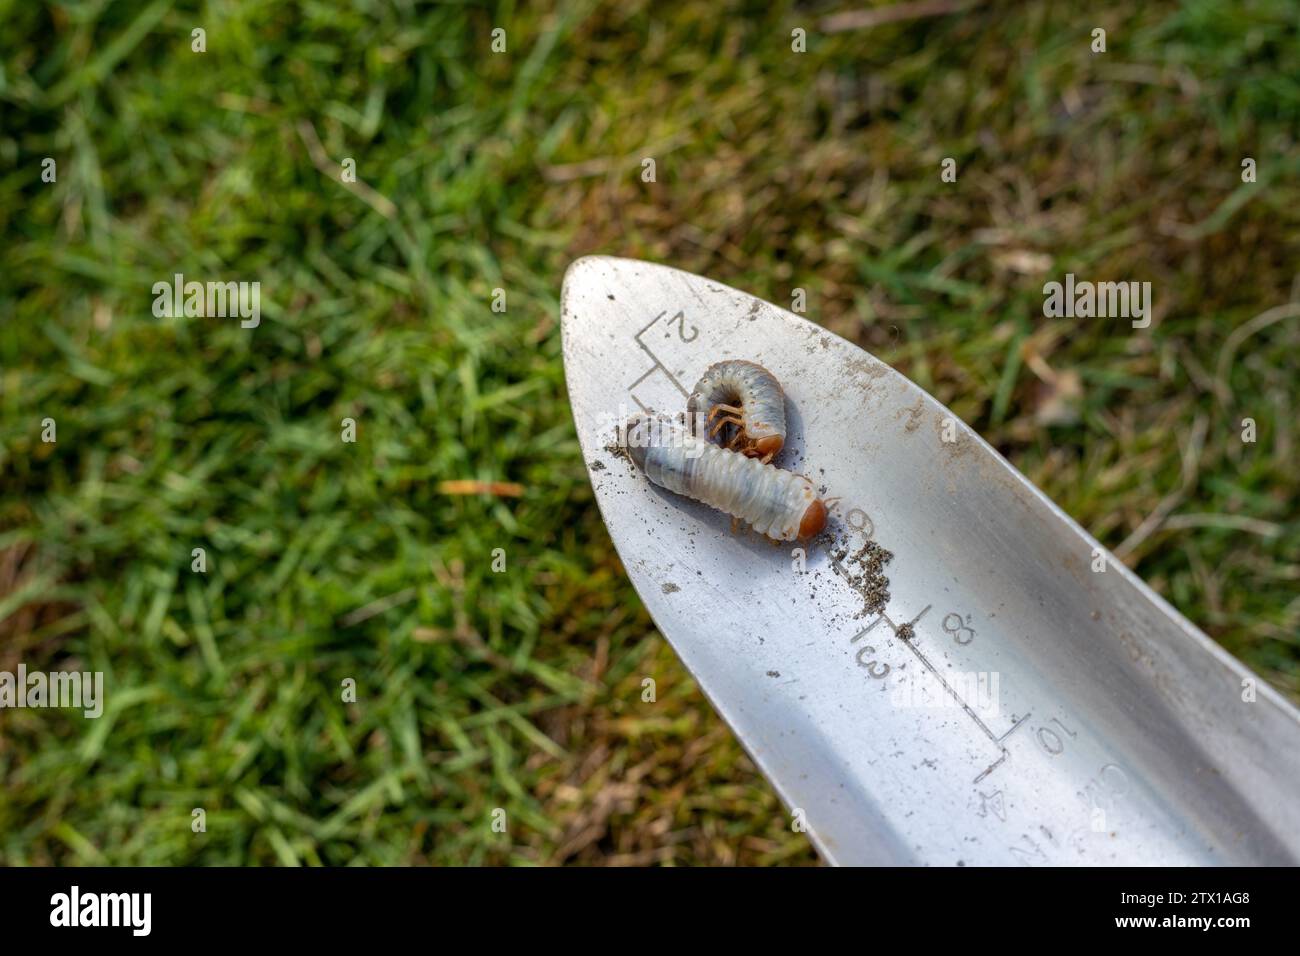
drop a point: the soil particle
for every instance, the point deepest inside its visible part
(865, 371)
(913, 416)
(864, 570)
(618, 451)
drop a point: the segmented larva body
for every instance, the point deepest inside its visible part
(777, 503)
(749, 398)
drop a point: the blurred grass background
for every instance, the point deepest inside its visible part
(776, 170)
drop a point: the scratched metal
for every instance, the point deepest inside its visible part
(1040, 712)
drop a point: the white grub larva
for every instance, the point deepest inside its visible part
(745, 396)
(780, 504)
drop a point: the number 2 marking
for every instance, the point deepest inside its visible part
(680, 319)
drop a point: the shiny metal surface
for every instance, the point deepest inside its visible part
(1009, 705)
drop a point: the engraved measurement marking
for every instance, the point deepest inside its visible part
(1005, 753)
(1025, 856)
(874, 667)
(863, 524)
(658, 366)
(879, 670)
(955, 625)
(1104, 791)
(913, 646)
(1056, 746)
(995, 803)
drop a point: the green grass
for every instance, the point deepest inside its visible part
(327, 560)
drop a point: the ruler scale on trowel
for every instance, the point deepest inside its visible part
(1008, 705)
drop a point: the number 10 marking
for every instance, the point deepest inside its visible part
(1051, 741)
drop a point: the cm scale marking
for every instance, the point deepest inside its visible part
(1008, 705)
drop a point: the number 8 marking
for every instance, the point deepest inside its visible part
(954, 625)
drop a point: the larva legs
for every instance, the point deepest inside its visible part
(723, 422)
(746, 396)
(740, 440)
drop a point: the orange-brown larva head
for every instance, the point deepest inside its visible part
(814, 520)
(766, 447)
